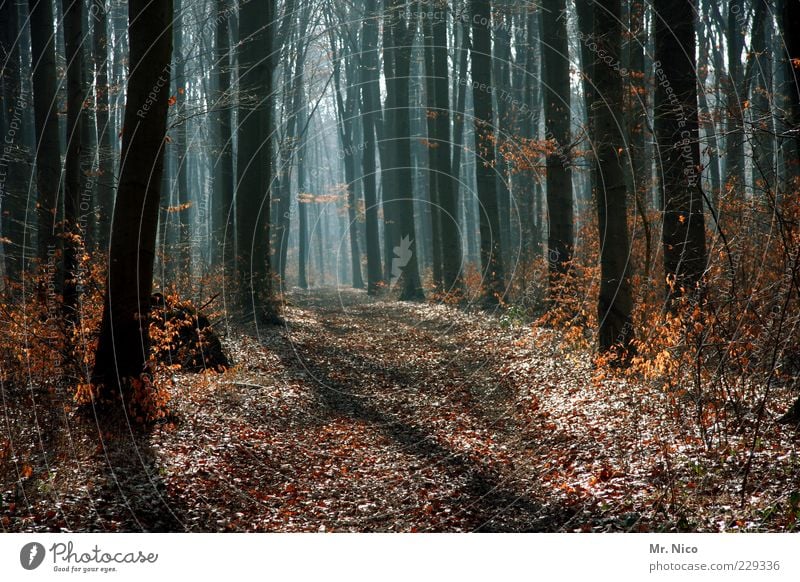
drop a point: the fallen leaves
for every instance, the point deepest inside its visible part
(367, 415)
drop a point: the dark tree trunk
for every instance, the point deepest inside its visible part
(302, 216)
(615, 303)
(560, 240)
(636, 112)
(48, 148)
(12, 125)
(105, 129)
(123, 346)
(791, 69)
(73, 172)
(254, 162)
(447, 179)
(431, 113)
(404, 266)
(370, 111)
(676, 127)
(222, 239)
(763, 130)
(481, 57)
(734, 155)
(183, 215)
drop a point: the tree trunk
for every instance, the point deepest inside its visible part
(760, 111)
(615, 303)
(734, 155)
(222, 240)
(73, 173)
(370, 110)
(48, 148)
(302, 214)
(12, 125)
(676, 127)
(560, 239)
(447, 180)
(405, 262)
(481, 57)
(254, 162)
(432, 144)
(123, 346)
(105, 129)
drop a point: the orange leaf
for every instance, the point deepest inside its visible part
(27, 471)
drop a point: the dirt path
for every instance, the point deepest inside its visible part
(385, 416)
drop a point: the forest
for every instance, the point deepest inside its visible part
(399, 265)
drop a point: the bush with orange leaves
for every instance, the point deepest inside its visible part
(726, 353)
(729, 348)
(40, 346)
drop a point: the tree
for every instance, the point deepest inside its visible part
(480, 57)
(615, 302)
(74, 172)
(124, 340)
(398, 36)
(254, 162)
(223, 181)
(12, 112)
(181, 158)
(734, 158)
(560, 239)
(676, 128)
(446, 181)
(105, 129)
(48, 150)
(371, 111)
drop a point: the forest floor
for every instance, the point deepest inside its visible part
(369, 415)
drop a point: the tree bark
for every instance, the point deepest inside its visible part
(481, 55)
(254, 162)
(48, 148)
(560, 239)
(370, 110)
(615, 303)
(405, 262)
(222, 239)
(105, 129)
(73, 172)
(12, 125)
(676, 125)
(123, 346)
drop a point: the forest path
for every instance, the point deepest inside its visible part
(368, 415)
(358, 415)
